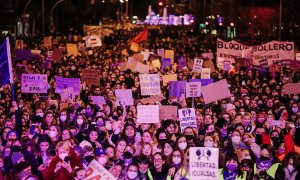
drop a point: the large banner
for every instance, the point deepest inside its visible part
(272, 51)
(96, 171)
(203, 163)
(34, 83)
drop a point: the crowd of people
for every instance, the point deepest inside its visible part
(44, 137)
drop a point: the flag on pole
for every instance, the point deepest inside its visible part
(142, 36)
(6, 76)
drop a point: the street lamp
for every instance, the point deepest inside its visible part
(52, 25)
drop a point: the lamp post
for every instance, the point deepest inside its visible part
(126, 11)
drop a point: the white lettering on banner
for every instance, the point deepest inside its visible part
(148, 113)
(273, 51)
(203, 163)
(34, 83)
(193, 89)
(150, 84)
(187, 118)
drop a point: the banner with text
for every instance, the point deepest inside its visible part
(150, 84)
(63, 83)
(34, 83)
(187, 118)
(148, 113)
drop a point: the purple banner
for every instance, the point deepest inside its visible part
(176, 88)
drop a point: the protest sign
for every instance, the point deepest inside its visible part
(150, 84)
(142, 68)
(67, 94)
(72, 49)
(204, 82)
(146, 55)
(205, 73)
(19, 44)
(93, 41)
(198, 63)
(203, 163)
(153, 57)
(100, 100)
(226, 65)
(169, 54)
(148, 113)
(169, 77)
(90, 76)
(152, 99)
(138, 57)
(34, 83)
(96, 171)
(134, 47)
(165, 62)
(155, 63)
(292, 88)
(47, 41)
(131, 65)
(187, 118)
(36, 51)
(161, 52)
(193, 89)
(124, 97)
(63, 83)
(209, 64)
(176, 89)
(216, 91)
(168, 112)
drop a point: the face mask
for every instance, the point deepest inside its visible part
(79, 121)
(176, 160)
(102, 160)
(189, 137)
(236, 139)
(63, 118)
(258, 139)
(182, 145)
(294, 110)
(62, 156)
(290, 167)
(89, 158)
(52, 134)
(208, 144)
(40, 114)
(231, 166)
(276, 141)
(132, 175)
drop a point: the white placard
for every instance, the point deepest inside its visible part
(187, 118)
(198, 63)
(205, 73)
(34, 83)
(93, 41)
(148, 113)
(203, 163)
(193, 89)
(150, 84)
(124, 96)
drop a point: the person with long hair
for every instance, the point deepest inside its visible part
(231, 170)
(291, 166)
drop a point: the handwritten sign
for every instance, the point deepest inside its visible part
(205, 73)
(169, 54)
(34, 83)
(93, 41)
(150, 84)
(142, 68)
(134, 47)
(198, 63)
(124, 96)
(148, 113)
(96, 171)
(100, 100)
(187, 118)
(203, 163)
(90, 76)
(72, 49)
(63, 83)
(193, 89)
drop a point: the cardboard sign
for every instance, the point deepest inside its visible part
(169, 54)
(124, 97)
(161, 52)
(34, 83)
(96, 171)
(204, 163)
(100, 100)
(209, 64)
(57, 54)
(168, 112)
(205, 73)
(64, 83)
(155, 63)
(148, 113)
(90, 76)
(36, 51)
(150, 84)
(19, 44)
(169, 77)
(216, 91)
(131, 65)
(47, 41)
(187, 118)
(138, 57)
(134, 47)
(93, 41)
(292, 88)
(146, 55)
(198, 63)
(72, 49)
(67, 94)
(193, 89)
(142, 68)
